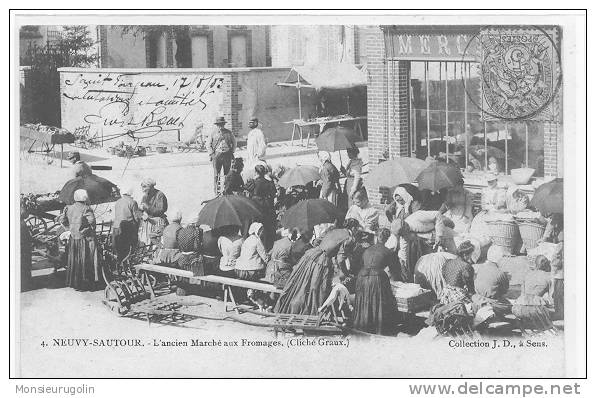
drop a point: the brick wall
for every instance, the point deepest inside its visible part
(235, 105)
(388, 105)
(376, 100)
(399, 108)
(551, 150)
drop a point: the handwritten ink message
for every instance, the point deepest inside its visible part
(139, 106)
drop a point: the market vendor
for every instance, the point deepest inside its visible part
(190, 244)
(458, 275)
(127, 217)
(516, 199)
(83, 266)
(402, 206)
(553, 232)
(458, 207)
(491, 283)
(169, 252)
(310, 281)
(363, 212)
(330, 187)
(81, 168)
(233, 183)
(353, 174)
(493, 197)
(154, 205)
(374, 307)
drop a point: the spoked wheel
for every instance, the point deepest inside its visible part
(36, 224)
(116, 299)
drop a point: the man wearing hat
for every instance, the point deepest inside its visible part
(81, 168)
(256, 145)
(221, 145)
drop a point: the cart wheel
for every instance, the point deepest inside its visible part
(36, 225)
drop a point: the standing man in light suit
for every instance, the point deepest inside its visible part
(256, 144)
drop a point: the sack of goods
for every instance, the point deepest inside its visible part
(549, 250)
(422, 220)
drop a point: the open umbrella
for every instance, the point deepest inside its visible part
(229, 210)
(305, 214)
(299, 175)
(394, 172)
(439, 175)
(337, 139)
(478, 150)
(548, 197)
(98, 189)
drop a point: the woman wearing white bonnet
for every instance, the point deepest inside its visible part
(82, 266)
(169, 251)
(400, 208)
(253, 258)
(154, 206)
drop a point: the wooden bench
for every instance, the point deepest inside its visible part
(227, 283)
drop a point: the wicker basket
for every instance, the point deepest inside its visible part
(414, 304)
(530, 233)
(504, 234)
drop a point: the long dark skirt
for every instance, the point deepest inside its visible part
(308, 286)
(416, 248)
(375, 309)
(125, 238)
(82, 267)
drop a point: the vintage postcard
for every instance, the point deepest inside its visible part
(254, 195)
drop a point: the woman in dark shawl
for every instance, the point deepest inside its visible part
(310, 282)
(374, 306)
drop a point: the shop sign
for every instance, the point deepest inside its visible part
(449, 47)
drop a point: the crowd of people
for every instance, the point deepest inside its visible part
(433, 239)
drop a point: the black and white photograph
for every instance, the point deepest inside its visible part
(252, 195)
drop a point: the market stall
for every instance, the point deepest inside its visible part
(341, 89)
(47, 137)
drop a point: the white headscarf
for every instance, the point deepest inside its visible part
(405, 195)
(324, 156)
(255, 227)
(148, 181)
(128, 190)
(80, 195)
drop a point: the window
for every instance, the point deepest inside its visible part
(330, 37)
(200, 51)
(297, 40)
(157, 49)
(446, 120)
(238, 50)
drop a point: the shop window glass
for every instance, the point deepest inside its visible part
(446, 121)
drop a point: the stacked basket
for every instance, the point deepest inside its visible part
(531, 228)
(504, 233)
